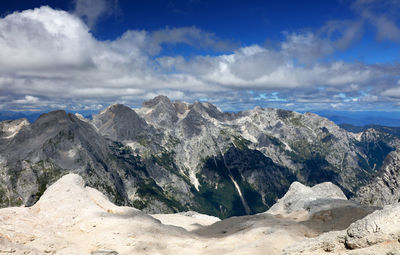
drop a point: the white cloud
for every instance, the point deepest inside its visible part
(306, 47)
(27, 100)
(92, 10)
(51, 55)
(43, 39)
(392, 93)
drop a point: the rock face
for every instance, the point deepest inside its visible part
(383, 189)
(120, 123)
(169, 156)
(377, 233)
(71, 218)
(301, 198)
(380, 226)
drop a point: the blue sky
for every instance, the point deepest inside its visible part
(306, 55)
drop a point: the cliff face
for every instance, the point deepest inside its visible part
(174, 156)
(384, 188)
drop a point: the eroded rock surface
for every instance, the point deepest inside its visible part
(377, 233)
(71, 218)
(384, 188)
(308, 200)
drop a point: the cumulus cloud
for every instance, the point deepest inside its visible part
(91, 11)
(27, 100)
(43, 39)
(49, 58)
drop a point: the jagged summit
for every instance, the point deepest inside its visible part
(157, 100)
(119, 122)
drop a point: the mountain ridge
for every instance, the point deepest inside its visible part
(174, 156)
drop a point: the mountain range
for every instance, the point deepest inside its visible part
(170, 156)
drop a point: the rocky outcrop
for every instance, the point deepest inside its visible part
(309, 200)
(377, 233)
(384, 188)
(72, 218)
(382, 225)
(9, 128)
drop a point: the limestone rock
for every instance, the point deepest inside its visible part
(382, 225)
(301, 198)
(383, 189)
(377, 233)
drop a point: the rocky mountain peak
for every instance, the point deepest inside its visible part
(57, 116)
(117, 108)
(207, 108)
(161, 112)
(119, 122)
(157, 100)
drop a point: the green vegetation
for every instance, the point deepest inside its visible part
(173, 141)
(284, 114)
(222, 201)
(376, 152)
(316, 168)
(144, 141)
(217, 194)
(46, 174)
(167, 160)
(3, 197)
(148, 190)
(240, 142)
(296, 121)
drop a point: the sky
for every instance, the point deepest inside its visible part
(308, 55)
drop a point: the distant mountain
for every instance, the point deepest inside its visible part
(11, 115)
(174, 156)
(363, 118)
(32, 116)
(357, 129)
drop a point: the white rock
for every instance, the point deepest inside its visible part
(299, 198)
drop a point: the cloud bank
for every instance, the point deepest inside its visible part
(49, 59)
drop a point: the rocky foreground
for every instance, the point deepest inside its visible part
(73, 219)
